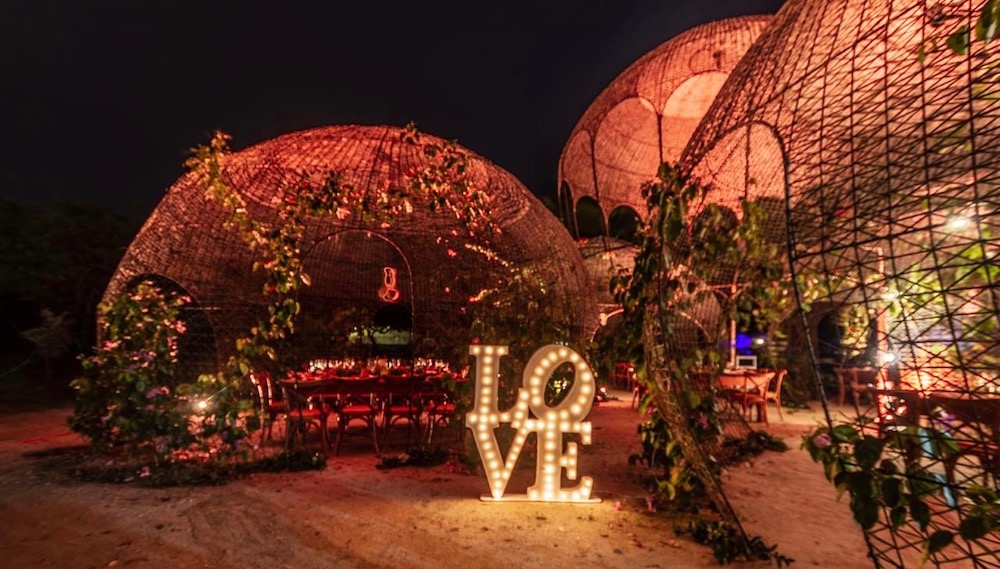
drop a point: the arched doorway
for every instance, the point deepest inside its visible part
(360, 303)
(589, 218)
(623, 224)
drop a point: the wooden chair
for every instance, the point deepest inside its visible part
(302, 413)
(754, 395)
(775, 395)
(270, 407)
(855, 379)
(356, 402)
(400, 401)
(439, 408)
(622, 377)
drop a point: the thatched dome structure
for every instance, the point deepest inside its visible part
(885, 143)
(646, 115)
(184, 245)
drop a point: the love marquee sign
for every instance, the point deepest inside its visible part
(530, 414)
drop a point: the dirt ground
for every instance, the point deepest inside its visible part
(352, 515)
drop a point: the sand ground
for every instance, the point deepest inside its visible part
(352, 515)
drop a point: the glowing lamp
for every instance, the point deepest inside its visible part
(531, 415)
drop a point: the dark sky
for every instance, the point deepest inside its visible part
(100, 100)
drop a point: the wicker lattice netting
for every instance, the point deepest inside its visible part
(884, 143)
(647, 114)
(184, 243)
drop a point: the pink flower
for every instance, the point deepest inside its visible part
(822, 441)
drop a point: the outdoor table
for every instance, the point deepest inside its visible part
(390, 397)
(982, 409)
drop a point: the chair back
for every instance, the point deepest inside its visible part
(262, 385)
(779, 376)
(756, 381)
(357, 391)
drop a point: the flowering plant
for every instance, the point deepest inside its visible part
(127, 396)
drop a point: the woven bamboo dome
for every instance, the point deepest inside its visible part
(646, 115)
(184, 246)
(885, 144)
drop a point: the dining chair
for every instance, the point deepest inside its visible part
(439, 408)
(775, 394)
(754, 396)
(863, 382)
(622, 377)
(303, 412)
(400, 401)
(270, 407)
(356, 401)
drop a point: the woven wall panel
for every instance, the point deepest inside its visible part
(878, 154)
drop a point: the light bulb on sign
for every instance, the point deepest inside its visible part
(531, 415)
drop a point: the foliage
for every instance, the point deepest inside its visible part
(883, 471)
(127, 395)
(661, 452)
(853, 324)
(695, 254)
(199, 472)
(755, 444)
(986, 29)
(729, 545)
(416, 457)
(58, 258)
(53, 337)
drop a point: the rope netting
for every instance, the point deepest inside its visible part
(883, 142)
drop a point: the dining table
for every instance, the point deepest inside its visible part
(386, 397)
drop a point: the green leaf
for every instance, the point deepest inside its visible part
(867, 452)
(897, 517)
(891, 492)
(860, 485)
(958, 42)
(846, 433)
(920, 512)
(975, 526)
(865, 512)
(938, 541)
(988, 21)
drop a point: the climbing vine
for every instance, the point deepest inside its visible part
(694, 254)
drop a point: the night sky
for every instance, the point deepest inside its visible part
(100, 101)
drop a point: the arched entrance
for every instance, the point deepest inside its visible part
(196, 347)
(360, 303)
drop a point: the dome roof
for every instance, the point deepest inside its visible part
(646, 115)
(183, 241)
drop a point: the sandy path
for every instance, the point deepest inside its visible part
(351, 515)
